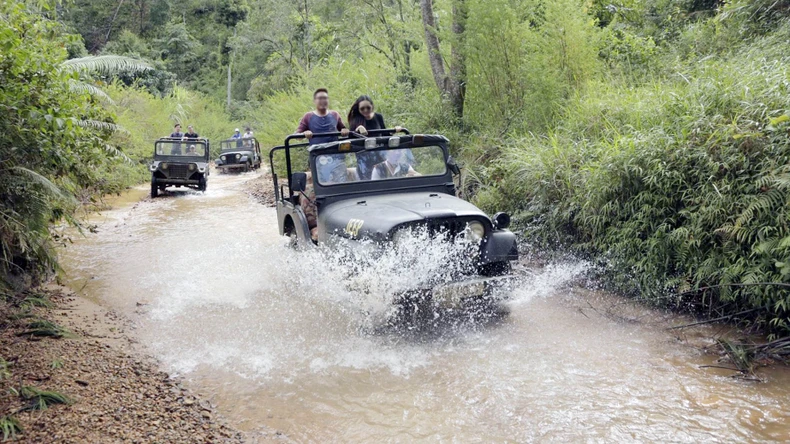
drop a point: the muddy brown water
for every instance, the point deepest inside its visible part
(285, 347)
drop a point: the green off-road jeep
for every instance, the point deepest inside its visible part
(179, 162)
(371, 190)
(239, 155)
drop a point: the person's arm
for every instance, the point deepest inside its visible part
(304, 124)
(340, 125)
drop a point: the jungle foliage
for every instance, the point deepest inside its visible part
(54, 137)
(648, 135)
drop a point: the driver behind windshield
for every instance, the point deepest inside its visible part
(191, 151)
(396, 164)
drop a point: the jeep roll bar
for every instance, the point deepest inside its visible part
(300, 136)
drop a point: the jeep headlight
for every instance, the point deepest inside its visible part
(163, 165)
(223, 158)
(477, 230)
(192, 167)
(238, 156)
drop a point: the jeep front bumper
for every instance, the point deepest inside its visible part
(463, 293)
(162, 181)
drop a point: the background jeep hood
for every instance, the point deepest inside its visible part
(380, 214)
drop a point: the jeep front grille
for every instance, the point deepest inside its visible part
(450, 228)
(178, 171)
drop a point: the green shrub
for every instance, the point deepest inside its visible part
(53, 138)
(677, 184)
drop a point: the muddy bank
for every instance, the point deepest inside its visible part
(260, 189)
(114, 393)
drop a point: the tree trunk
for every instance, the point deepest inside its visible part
(432, 44)
(452, 87)
(458, 59)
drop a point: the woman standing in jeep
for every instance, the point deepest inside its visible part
(363, 118)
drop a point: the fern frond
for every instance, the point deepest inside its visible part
(86, 88)
(99, 125)
(106, 65)
(117, 153)
(45, 183)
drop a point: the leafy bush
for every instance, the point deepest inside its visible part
(53, 137)
(678, 184)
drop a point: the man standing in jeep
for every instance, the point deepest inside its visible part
(191, 134)
(324, 120)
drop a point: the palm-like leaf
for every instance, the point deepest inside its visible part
(117, 153)
(45, 183)
(106, 65)
(83, 87)
(99, 125)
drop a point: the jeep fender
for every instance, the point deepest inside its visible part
(500, 246)
(293, 216)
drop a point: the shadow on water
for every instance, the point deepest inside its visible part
(438, 325)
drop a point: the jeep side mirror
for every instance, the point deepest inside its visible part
(299, 182)
(453, 165)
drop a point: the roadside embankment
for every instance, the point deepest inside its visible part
(71, 374)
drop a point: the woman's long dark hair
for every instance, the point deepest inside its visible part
(355, 118)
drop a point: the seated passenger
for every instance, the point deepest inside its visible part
(395, 165)
(332, 169)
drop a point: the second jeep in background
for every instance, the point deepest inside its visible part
(239, 155)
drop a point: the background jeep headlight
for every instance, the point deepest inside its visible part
(163, 165)
(192, 167)
(477, 230)
(223, 158)
(238, 156)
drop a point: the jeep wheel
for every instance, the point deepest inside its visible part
(203, 184)
(154, 190)
(247, 167)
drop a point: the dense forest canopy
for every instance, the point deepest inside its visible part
(650, 136)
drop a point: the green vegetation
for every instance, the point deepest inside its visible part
(41, 399)
(42, 327)
(10, 427)
(649, 136)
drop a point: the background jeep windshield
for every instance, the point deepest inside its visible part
(185, 148)
(378, 165)
(236, 144)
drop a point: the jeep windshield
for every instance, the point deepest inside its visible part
(181, 148)
(380, 165)
(237, 144)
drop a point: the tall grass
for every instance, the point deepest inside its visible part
(678, 184)
(147, 117)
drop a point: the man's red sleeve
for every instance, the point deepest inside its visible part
(340, 125)
(304, 124)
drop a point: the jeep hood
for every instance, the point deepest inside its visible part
(373, 217)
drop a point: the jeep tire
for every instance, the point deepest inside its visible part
(203, 184)
(154, 188)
